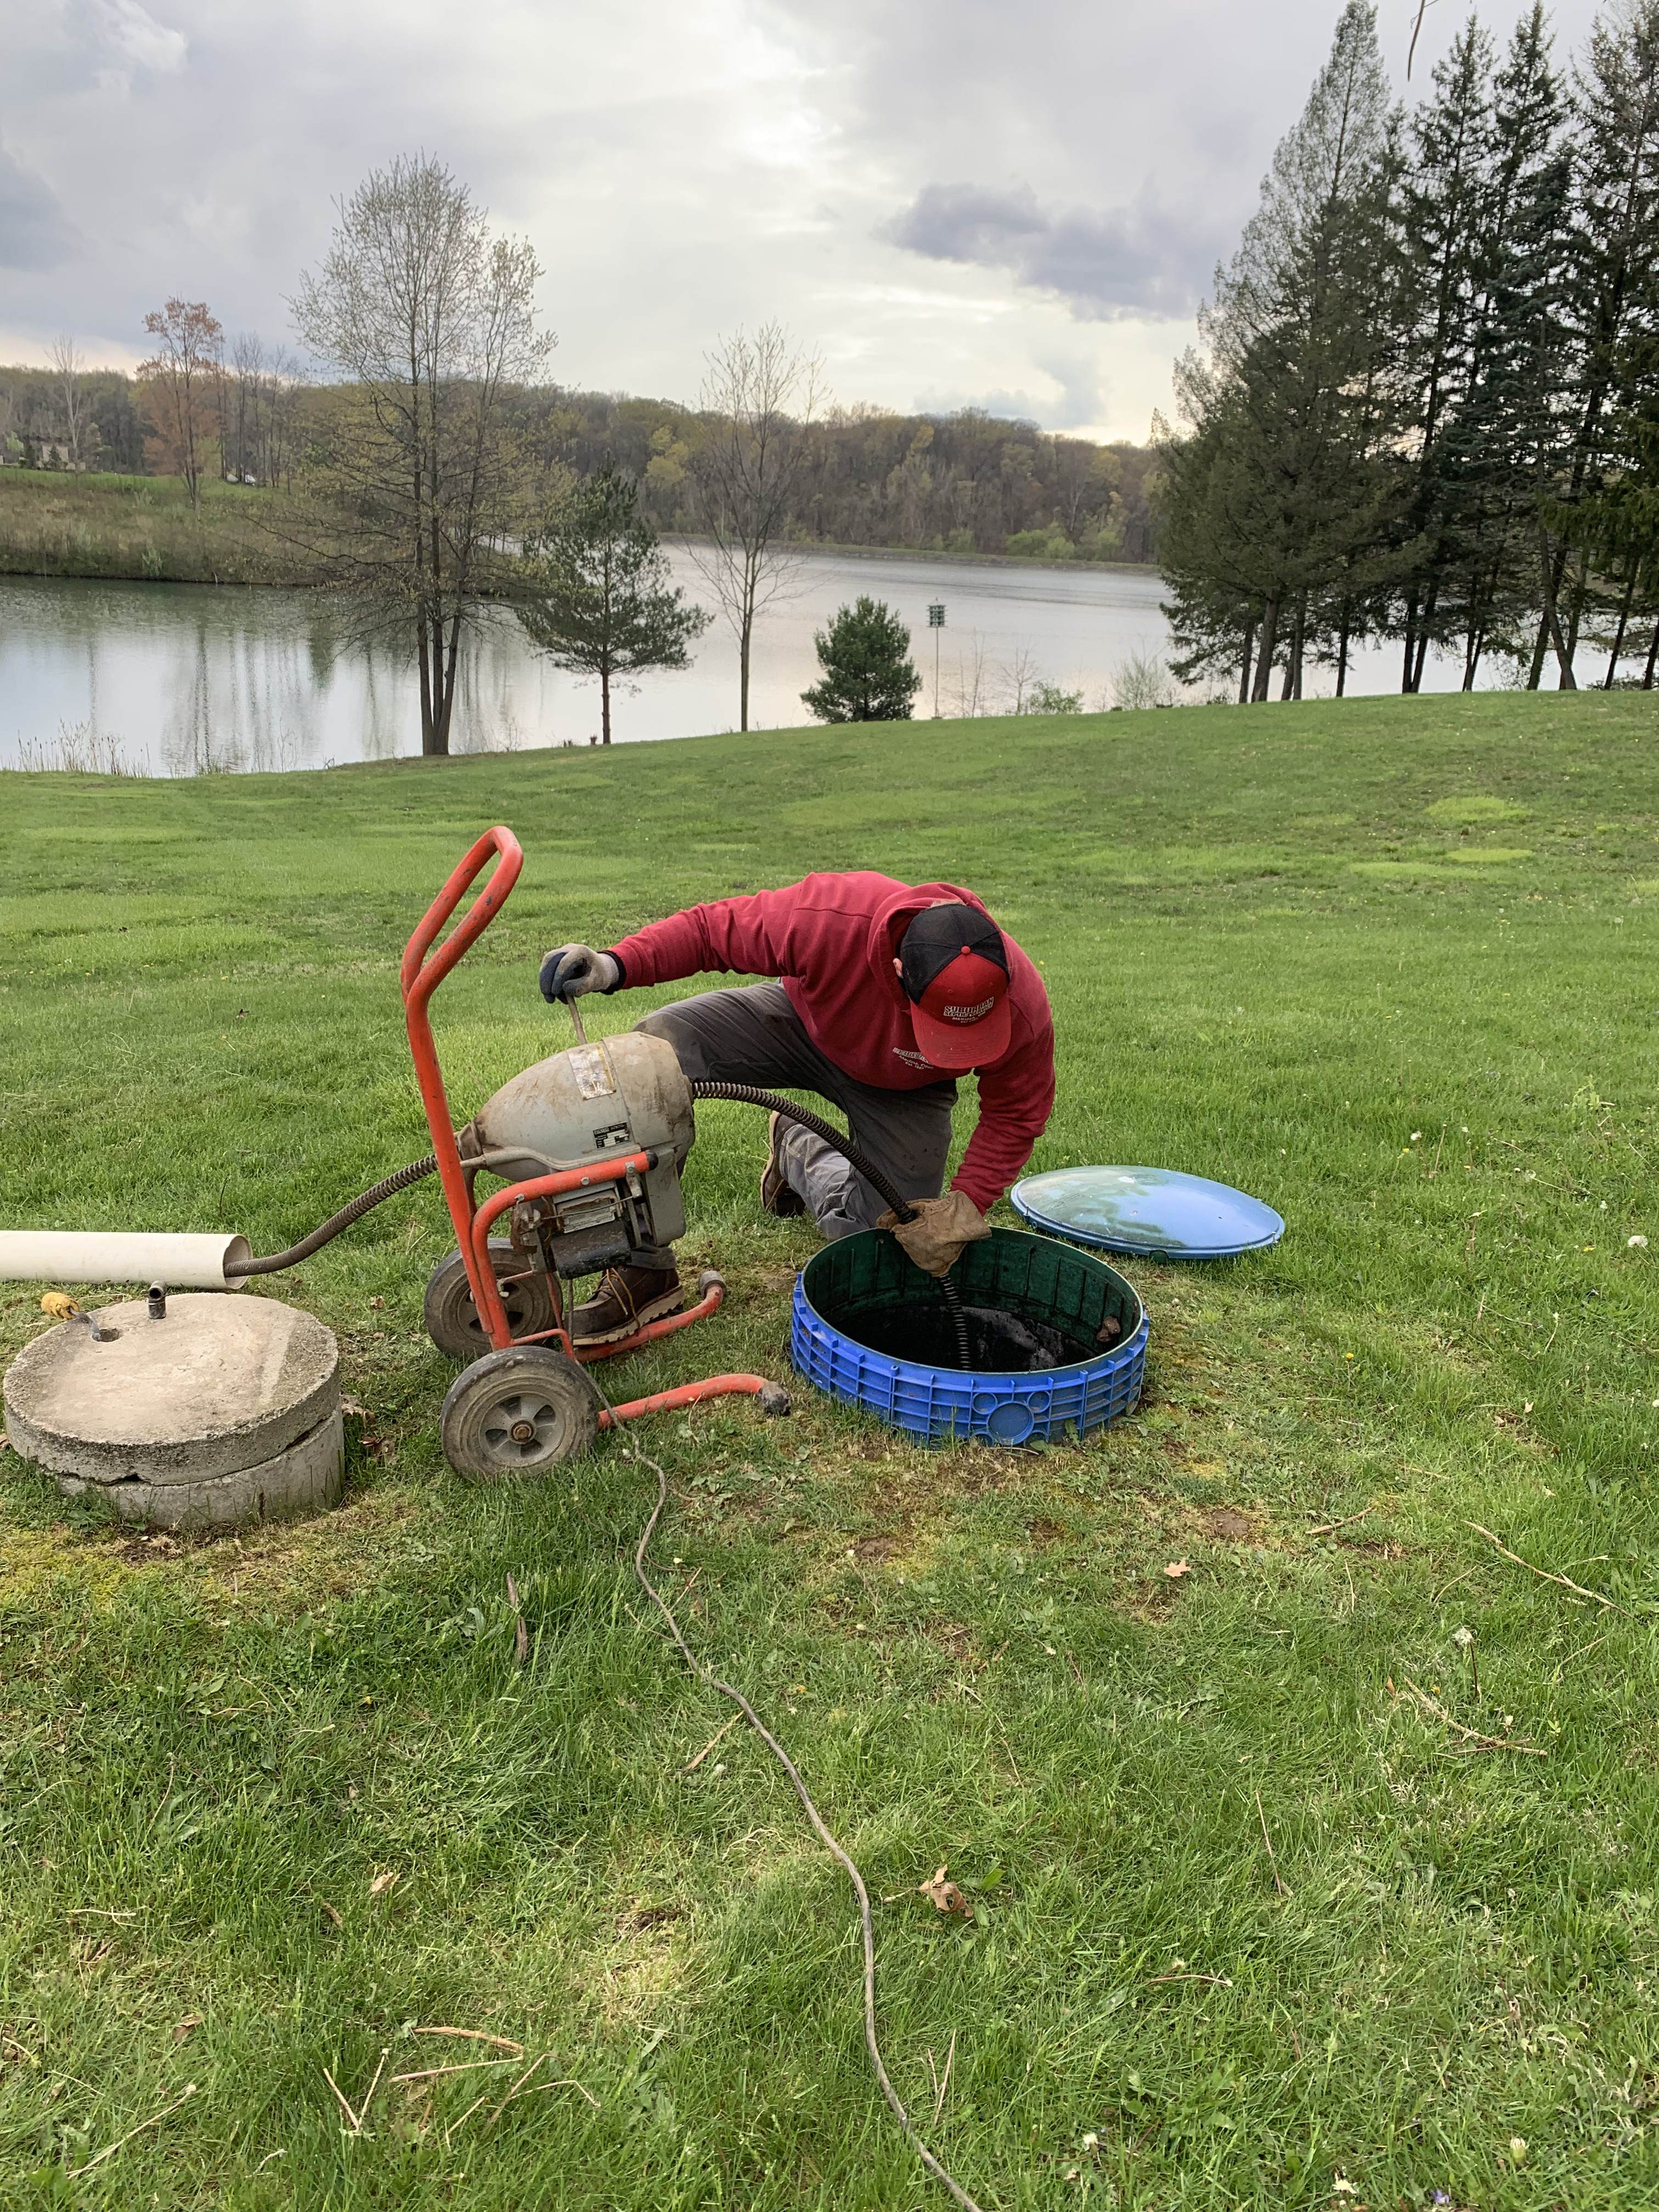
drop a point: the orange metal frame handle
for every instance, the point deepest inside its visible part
(420, 977)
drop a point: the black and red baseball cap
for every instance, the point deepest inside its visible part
(954, 966)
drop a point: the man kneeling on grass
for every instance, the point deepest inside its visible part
(884, 992)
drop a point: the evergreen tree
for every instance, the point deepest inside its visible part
(1440, 221)
(868, 676)
(1298, 338)
(1504, 448)
(1611, 298)
(600, 600)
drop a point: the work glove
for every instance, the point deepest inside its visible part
(934, 1240)
(570, 970)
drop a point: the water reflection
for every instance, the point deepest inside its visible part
(191, 679)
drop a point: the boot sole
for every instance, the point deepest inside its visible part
(653, 1309)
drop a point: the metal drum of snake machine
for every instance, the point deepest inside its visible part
(1157, 1213)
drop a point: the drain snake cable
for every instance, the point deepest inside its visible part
(746, 1094)
(707, 1675)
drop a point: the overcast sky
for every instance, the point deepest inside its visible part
(1014, 203)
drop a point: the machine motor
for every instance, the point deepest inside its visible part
(580, 1108)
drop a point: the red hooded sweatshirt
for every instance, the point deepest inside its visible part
(832, 941)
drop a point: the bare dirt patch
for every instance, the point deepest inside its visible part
(1228, 1525)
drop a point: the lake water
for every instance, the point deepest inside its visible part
(186, 679)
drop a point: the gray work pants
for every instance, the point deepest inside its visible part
(755, 1036)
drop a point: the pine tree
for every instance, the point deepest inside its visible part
(1611, 298)
(598, 597)
(1504, 448)
(1440, 222)
(1294, 411)
(868, 675)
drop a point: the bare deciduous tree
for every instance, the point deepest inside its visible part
(1019, 673)
(973, 677)
(430, 319)
(68, 362)
(759, 394)
(262, 390)
(183, 378)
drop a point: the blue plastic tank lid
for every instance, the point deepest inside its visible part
(1157, 1211)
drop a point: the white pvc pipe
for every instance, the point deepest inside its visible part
(70, 1255)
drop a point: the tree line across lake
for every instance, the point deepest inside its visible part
(432, 467)
(1425, 408)
(967, 483)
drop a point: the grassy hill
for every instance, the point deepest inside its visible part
(1277, 1902)
(144, 528)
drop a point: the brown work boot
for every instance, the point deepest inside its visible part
(776, 1196)
(626, 1299)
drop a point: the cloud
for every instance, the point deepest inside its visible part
(34, 232)
(1105, 264)
(133, 36)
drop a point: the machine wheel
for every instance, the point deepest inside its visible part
(452, 1319)
(517, 1412)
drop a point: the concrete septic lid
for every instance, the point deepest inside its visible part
(217, 1385)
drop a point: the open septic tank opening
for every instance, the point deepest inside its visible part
(872, 1329)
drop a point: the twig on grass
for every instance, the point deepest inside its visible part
(1278, 1882)
(455, 2128)
(949, 2061)
(1543, 1573)
(475, 2035)
(1584, 1652)
(373, 2086)
(1215, 1981)
(693, 1765)
(165, 1793)
(520, 1633)
(1330, 1528)
(345, 2102)
(518, 2087)
(467, 2066)
(564, 2082)
(1472, 1736)
(154, 2120)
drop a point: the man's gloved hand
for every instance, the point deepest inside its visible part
(570, 970)
(942, 1226)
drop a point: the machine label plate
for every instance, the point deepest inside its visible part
(593, 1077)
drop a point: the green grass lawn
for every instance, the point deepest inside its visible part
(270, 1806)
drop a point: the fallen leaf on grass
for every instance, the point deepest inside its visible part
(331, 1913)
(189, 2021)
(1176, 1569)
(944, 1896)
(382, 1882)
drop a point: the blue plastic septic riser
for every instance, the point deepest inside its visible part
(1029, 1276)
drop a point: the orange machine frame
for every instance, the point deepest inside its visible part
(420, 976)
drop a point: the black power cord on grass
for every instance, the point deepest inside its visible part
(706, 1675)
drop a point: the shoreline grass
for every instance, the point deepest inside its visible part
(1269, 1910)
(143, 530)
